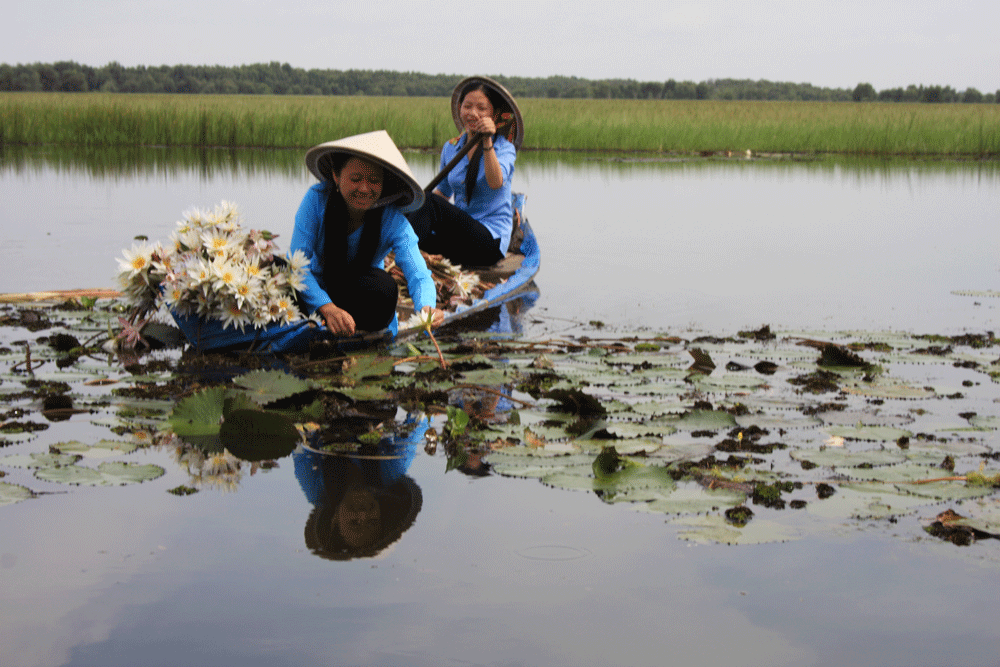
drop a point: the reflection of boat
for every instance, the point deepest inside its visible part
(513, 276)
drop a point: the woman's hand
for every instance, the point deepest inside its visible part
(438, 315)
(486, 126)
(338, 321)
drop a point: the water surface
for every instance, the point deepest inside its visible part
(500, 571)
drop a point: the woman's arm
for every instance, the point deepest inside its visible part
(491, 164)
(308, 237)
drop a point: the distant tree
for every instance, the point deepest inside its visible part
(686, 90)
(73, 81)
(864, 92)
(651, 90)
(48, 76)
(6, 78)
(670, 89)
(972, 96)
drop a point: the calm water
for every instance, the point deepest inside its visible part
(499, 571)
(715, 246)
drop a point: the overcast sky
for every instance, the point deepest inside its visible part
(829, 43)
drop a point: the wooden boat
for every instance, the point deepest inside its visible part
(511, 276)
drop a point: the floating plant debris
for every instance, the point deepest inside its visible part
(728, 439)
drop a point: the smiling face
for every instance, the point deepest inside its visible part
(360, 183)
(475, 105)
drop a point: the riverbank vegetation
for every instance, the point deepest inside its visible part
(282, 79)
(663, 126)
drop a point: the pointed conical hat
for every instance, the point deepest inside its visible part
(376, 147)
(514, 134)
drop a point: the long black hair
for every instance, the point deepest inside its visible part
(336, 265)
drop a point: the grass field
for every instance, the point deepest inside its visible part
(99, 119)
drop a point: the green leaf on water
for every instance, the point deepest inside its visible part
(199, 414)
(832, 457)
(639, 477)
(13, 493)
(869, 432)
(705, 420)
(39, 460)
(714, 528)
(693, 499)
(270, 386)
(109, 473)
(101, 450)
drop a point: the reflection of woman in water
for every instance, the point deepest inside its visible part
(363, 502)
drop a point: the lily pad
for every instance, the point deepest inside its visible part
(888, 389)
(705, 420)
(13, 493)
(873, 433)
(270, 386)
(832, 457)
(637, 477)
(109, 473)
(715, 529)
(39, 460)
(101, 450)
(694, 500)
(200, 414)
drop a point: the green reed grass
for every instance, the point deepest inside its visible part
(98, 119)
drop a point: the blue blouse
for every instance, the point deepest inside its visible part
(397, 235)
(488, 206)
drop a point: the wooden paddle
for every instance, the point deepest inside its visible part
(466, 149)
(59, 295)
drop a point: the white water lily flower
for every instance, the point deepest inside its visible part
(217, 243)
(138, 260)
(298, 261)
(232, 315)
(465, 283)
(421, 320)
(225, 275)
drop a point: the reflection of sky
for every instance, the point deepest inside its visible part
(717, 246)
(226, 579)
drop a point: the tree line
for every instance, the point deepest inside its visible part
(282, 79)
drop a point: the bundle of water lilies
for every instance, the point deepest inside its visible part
(454, 286)
(215, 269)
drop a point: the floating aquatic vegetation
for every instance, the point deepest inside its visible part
(13, 493)
(723, 451)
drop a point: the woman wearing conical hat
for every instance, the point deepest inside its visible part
(347, 224)
(476, 229)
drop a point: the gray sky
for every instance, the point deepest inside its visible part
(829, 43)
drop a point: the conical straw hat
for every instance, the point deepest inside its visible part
(514, 134)
(377, 147)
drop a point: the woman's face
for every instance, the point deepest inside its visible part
(475, 105)
(360, 183)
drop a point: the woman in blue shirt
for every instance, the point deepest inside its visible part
(476, 229)
(347, 224)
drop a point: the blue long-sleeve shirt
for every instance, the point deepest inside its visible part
(397, 235)
(488, 206)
